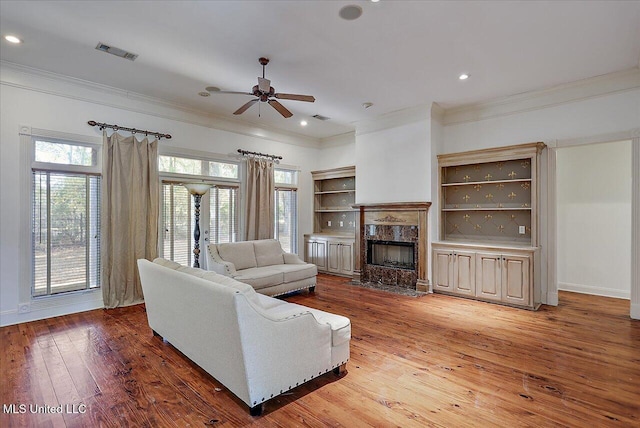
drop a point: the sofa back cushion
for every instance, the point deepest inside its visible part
(167, 263)
(268, 252)
(241, 254)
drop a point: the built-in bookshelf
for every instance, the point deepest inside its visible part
(489, 235)
(334, 194)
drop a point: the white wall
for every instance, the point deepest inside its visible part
(46, 102)
(594, 219)
(394, 164)
(337, 152)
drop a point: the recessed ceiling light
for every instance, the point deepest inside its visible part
(12, 39)
(204, 94)
(350, 12)
(375, 1)
(303, 123)
(463, 76)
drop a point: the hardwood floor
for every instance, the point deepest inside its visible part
(433, 360)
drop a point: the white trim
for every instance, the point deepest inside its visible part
(53, 306)
(393, 119)
(551, 229)
(31, 79)
(618, 82)
(590, 289)
(635, 226)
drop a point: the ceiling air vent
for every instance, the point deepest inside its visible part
(320, 117)
(116, 51)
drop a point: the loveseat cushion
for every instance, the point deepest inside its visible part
(241, 254)
(268, 252)
(261, 277)
(297, 272)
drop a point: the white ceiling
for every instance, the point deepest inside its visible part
(397, 55)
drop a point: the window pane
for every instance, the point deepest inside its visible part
(180, 165)
(65, 232)
(68, 154)
(177, 224)
(223, 223)
(286, 176)
(286, 219)
(223, 170)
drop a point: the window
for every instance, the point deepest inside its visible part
(286, 207)
(65, 217)
(218, 208)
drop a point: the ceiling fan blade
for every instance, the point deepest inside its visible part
(246, 106)
(295, 97)
(214, 90)
(281, 109)
(264, 84)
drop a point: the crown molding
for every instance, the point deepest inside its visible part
(393, 119)
(38, 80)
(617, 82)
(339, 140)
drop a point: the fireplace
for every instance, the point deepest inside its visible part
(391, 245)
(399, 255)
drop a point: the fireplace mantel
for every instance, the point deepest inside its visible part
(411, 214)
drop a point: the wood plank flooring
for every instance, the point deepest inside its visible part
(433, 360)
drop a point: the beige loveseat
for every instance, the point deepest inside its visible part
(255, 345)
(263, 265)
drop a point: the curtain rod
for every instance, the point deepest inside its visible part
(132, 130)
(264, 155)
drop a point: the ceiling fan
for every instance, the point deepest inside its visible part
(265, 93)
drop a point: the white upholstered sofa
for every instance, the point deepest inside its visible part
(263, 265)
(255, 345)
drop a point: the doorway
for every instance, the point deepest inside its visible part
(594, 221)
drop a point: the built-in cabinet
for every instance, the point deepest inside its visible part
(331, 246)
(489, 225)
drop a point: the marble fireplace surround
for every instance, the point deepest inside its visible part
(395, 221)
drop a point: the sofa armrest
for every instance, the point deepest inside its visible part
(216, 264)
(292, 259)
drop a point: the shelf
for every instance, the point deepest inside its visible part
(486, 209)
(473, 183)
(330, 192)
(335, 210)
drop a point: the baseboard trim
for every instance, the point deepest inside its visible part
(552, 298)
(635, 311)
(597, 291)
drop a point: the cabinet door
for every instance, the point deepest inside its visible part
(489, 276)
(321, 255)
(464, 273)
(346, 258)
(516, 279)
(309, 251)
(443, 270)
(333, 256)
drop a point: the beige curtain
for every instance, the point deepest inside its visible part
(130, 198)
(260, 199)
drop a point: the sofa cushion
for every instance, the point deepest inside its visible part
(197, 272)
(241, 254)
(245, 289)
(260, 277)
(167, 263)
(296, 272)
(340, 326)
(268, 252)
